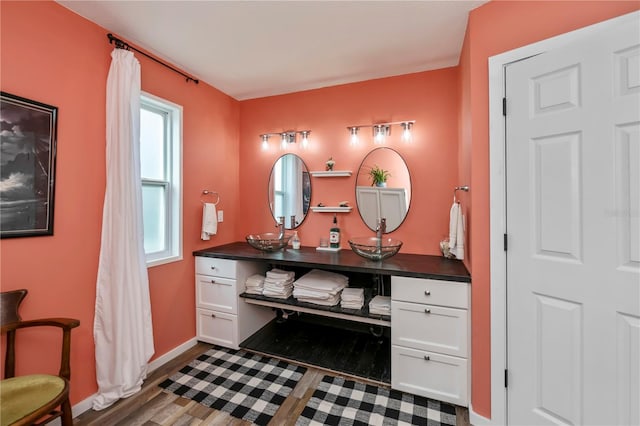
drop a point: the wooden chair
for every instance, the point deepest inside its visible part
(26, 399)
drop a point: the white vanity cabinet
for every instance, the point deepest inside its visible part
(222, 318)
(430, 338)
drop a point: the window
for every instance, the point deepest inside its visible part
(161, 172)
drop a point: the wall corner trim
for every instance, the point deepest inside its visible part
(476, 419)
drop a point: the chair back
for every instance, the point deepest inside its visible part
(9, 303)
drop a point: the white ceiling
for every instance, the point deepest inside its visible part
(250, 49)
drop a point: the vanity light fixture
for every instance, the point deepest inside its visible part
(286, 137)
(354, 135)
(406, 132)
(382, 130)
(305, 138)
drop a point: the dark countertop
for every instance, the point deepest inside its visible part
(402, 264)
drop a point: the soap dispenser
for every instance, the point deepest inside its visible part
(334, 234)
(295, 241)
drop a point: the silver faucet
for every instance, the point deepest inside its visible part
(381, 228)
(293, 221)
(280, 226)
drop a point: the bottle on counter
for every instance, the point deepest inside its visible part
(295, 241)
(334, 234)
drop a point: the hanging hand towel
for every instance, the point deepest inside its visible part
(456, 231)
(209, 221)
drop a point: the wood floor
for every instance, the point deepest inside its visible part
(152, 406)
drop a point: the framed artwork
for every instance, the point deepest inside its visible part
(27, 166)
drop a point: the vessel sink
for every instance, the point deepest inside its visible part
(375, 248)
(268, 241)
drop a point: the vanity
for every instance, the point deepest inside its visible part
(428, 329)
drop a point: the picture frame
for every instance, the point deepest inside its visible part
(28, 137)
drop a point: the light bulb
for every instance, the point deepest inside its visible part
(354, 135)
(265, 142)
(380, 130)
(305, 138)
(283, 144)
(406, 134)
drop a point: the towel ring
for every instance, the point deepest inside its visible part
(208, 192)
(464, 188)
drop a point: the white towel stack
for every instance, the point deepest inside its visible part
(254, 284)
(320, 287)
(278, 284)
(380, 305)
(352, 298)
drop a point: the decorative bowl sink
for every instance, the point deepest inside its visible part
(375, 248)
(268, 241)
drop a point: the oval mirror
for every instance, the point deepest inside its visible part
(383, 188)
(289, 190)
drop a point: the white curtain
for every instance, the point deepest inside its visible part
(122, 327)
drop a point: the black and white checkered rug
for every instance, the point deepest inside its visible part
(247, 386)
(337, 401)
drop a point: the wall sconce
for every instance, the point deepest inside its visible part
(382, 130)
(286, 137)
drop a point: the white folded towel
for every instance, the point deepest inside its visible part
(318, 280)
(456, 231)
(380, 305)
(209, 221)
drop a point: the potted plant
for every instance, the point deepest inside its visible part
(330, 163)
(379, 176)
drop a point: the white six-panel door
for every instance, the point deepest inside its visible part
(573, 258)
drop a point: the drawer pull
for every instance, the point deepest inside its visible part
(213, 268)
(427, 358)
(427, 311)
(213, 315)
(427, 292)
(213, 281)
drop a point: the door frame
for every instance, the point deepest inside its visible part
(498, 217)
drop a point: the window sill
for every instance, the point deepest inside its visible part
(163, 261)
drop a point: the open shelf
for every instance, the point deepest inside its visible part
(331, 173)
(292, 304)
(331, 209)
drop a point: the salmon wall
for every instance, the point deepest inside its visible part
(430, 98)
(52, 55)
(494, 28)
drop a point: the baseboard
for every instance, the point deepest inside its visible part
(87, 403)
(476, 419)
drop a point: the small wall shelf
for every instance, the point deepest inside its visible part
(331, 173)
(331, 209)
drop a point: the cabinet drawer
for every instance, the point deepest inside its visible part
(429, 374)
(216, 267)
(432, 292)
(430, 328)
(216, 294)
(217, 328)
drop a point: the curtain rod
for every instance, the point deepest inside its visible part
(124, 45)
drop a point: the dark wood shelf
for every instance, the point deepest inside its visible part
(359, 315)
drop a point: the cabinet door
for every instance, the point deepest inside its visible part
(429, 374)
(216, 294)
(217, 328)
(368, 205)
(429, 328)
(393, 206)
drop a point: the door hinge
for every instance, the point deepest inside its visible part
(506, 378)
(504, 106)
(505, 242)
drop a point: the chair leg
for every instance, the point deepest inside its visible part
(67, 416)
